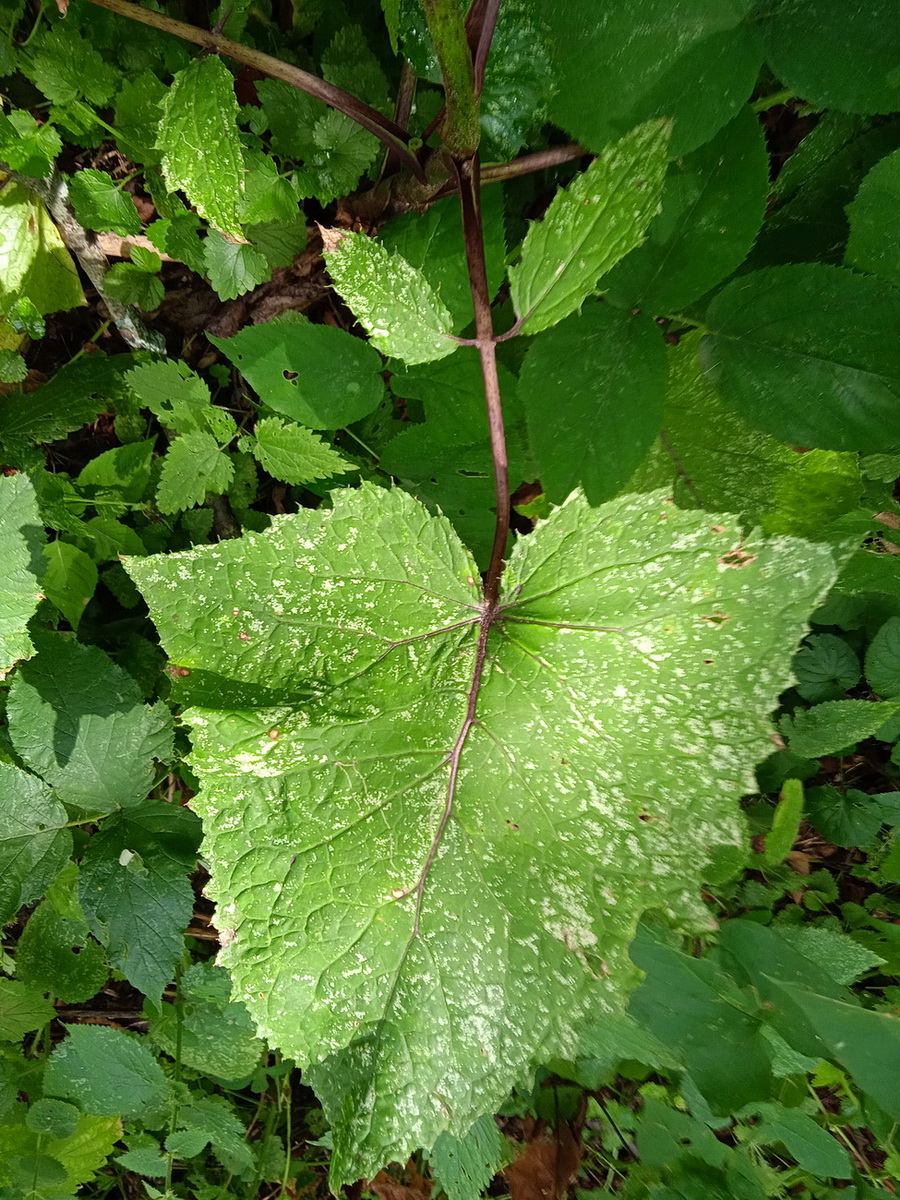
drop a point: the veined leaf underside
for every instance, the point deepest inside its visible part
(468, 805)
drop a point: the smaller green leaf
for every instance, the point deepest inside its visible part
(211, 1120)
(865, 1043)
(194, 465)
(77, 719)
(66, 66)
(145, 1160)
(233, 267)
(123, 472)
(835, 726)
(680, 1000)
(785, 823)
(315, 374)
(26, 146)
(70, 579)
(840, 955)
(173, 393)
(132, 285)
(883, 660)
(351, 64)
(137, 116)
(594, 389)
(826, 667)
(805, 352)
(279, 242)
(268, 196)
(392, 300)
(870, 215)
(57, 955)
(107, 1072)
(100, 205)
(463, 1167)
(145, 260)
(55, 1117)
(23, 1008)
(813, 1148)
(198, 137)
(177, 237)
(21, 541)
(13, 368)
(292, 453)
(215, 1034)
(846, 819)
(34, 841)
(589, 226)
(343, 152)
(713, 205)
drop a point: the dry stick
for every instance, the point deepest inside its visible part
(467, 174)
(370, 118)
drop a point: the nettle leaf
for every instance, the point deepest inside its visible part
(107, 1072)
(34, 841)
(712, 207)
(342, 152)
(432, 242)
(835, 726)
(21, 541)
(201, 150)
(870, 215)
(594, 389)
(66, 66)
(620, 64)
(294, 454)
(77, 719)
(807, 353)
(394, 302)
(177, 237)
(212, 1033)
(504, 804)
(315, 374)
(825, 668)
(131, 284)
(100, 205)
(816, 46)
(233, 267)
(602, 214)
(136, 893)
(194, 465)
(848, 818)
(26, 146)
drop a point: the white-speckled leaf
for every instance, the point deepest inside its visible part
(21, 541)
(393, 301)
(201, 149)
(420, 909)
(589, 226)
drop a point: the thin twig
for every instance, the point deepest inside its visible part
(540, 161)
(370, 118)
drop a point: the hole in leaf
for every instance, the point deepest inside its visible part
(290, 376)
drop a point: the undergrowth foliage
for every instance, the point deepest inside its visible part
(450, 620)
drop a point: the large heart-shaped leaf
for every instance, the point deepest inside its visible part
(432, 829)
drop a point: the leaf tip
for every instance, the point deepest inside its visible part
(331, 238)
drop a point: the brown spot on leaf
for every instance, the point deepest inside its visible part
(245, 637)
(737, 558)
(717, 618)
(177, 672)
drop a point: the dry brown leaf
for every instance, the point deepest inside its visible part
(550, 1162)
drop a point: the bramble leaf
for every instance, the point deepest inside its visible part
(589, 226)
(34, 840)
(870, 215)
(21, 541)
(505, 859)
(201, 150)
(77, 719)
(394, 302)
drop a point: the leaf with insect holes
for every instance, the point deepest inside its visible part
(393, 301)
(198, 137)
(589, 226)
(423, 907)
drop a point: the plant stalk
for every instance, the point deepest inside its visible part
(461, 128)
(370, 118)
(469, 182)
